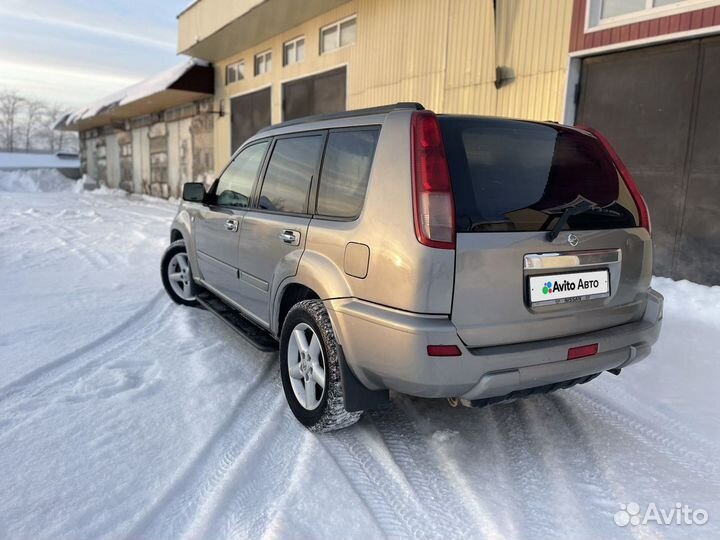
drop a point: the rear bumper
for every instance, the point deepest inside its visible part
(387, 348)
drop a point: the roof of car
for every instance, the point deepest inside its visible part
(370, 111)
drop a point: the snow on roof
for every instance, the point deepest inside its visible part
(158, 83)
(26, 160)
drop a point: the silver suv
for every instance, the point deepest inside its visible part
(462, 257)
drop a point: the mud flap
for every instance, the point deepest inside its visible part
(358, 397)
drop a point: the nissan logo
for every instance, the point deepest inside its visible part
(573, 240)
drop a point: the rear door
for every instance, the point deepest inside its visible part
(273, 232)
(217, 223)
(512, 182)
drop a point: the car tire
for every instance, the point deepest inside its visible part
(309, 354)
(177, 275)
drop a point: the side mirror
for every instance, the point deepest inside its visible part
(194, 192)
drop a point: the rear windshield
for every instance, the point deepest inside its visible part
(509, 175)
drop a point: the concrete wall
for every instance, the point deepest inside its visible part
(153, 155)
(442, 53)
(112, 151)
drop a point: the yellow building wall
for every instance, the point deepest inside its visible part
(442, 53)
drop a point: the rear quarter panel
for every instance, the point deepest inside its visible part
(402, 273)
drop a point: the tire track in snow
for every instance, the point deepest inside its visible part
(78, 242)
(403, 500)
(282, 505)
(384, 525)
(621, 395)
(149, 312)
(205, 472)
(379, 481)
(600, 480)
(412, 455)
(494, 523)
(70, 244)
(26, 397)
(242, 506)
(664, 444)
(287, 503)
(542, 426)
(526, 474)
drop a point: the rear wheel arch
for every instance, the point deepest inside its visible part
(292, 294)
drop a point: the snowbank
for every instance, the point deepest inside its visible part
(35, 180)
(691, 300)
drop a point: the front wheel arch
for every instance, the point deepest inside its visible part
(176, 235)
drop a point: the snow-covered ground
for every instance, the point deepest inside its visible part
(123, 415)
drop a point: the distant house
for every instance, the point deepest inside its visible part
(67, 164)
(153, 136)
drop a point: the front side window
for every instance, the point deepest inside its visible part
(289, 174)
(339, 34)
(345, 172)
(236, 183)
(263, 62)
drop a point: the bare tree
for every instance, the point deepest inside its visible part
(10, 104)
(55, 141)
(28, 124)
(33, 116)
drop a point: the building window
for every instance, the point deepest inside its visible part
(263, 62)
(294, 51)
(126, 150)
(235, 72)
(339, 34)
(603, 13)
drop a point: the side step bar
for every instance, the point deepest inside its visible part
(246, 329)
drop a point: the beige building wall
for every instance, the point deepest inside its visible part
(442, 53)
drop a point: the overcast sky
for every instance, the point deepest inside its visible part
(76, 51)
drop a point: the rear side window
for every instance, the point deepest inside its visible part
(519, 176)
(287, 181)
(345, 172)
(236, 182)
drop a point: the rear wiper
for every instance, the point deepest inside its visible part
(579, 208)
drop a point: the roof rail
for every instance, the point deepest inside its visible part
(347, 114)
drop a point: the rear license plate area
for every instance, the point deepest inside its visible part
(564, 288)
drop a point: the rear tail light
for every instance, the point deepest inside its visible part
(627, 177)
(433, 198)
(443, 350)
(582, 352)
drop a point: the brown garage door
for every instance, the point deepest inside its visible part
(319, 94)
(660, 108)
(248, 114)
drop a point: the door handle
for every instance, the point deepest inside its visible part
(231, 225)
(290, 237)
